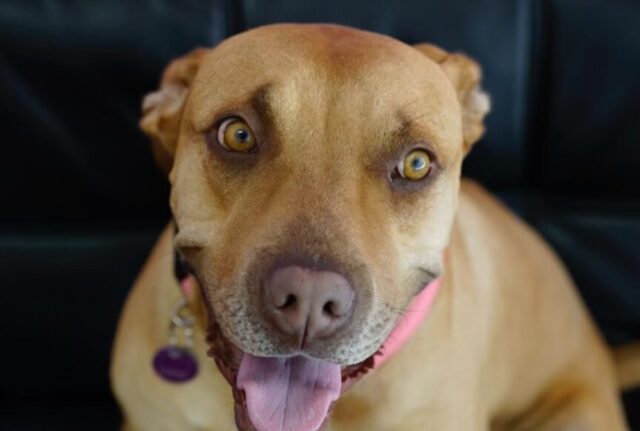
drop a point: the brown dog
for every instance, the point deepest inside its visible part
(315, 175)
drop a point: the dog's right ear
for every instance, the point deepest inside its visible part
(162, 109)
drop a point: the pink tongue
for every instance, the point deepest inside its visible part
(288, 394)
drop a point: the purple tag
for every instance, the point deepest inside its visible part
(175, 365)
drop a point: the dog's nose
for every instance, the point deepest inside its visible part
(306, 303)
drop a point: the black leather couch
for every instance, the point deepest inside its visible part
(82, 201)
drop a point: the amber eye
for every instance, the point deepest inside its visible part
(415, 166)
(236, 135)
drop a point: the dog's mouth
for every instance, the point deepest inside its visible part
(281, 394)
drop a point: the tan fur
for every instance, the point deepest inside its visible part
(628, 365)
(508, 344)
(465, 74)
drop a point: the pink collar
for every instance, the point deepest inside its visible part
(408, 324)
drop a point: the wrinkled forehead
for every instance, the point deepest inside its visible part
(308, 72)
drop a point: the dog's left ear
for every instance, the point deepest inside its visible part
(162, 109)
(465, 75)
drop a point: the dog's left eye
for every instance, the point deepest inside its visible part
(236, 135)
(415, 166)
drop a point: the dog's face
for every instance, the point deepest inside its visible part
(315, 147)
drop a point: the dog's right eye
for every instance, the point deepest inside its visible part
(236, 135)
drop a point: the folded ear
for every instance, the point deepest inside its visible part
(162, 109)
(465, 75)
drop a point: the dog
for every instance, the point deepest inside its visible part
(316, 192)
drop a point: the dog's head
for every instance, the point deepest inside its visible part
(315, 172)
